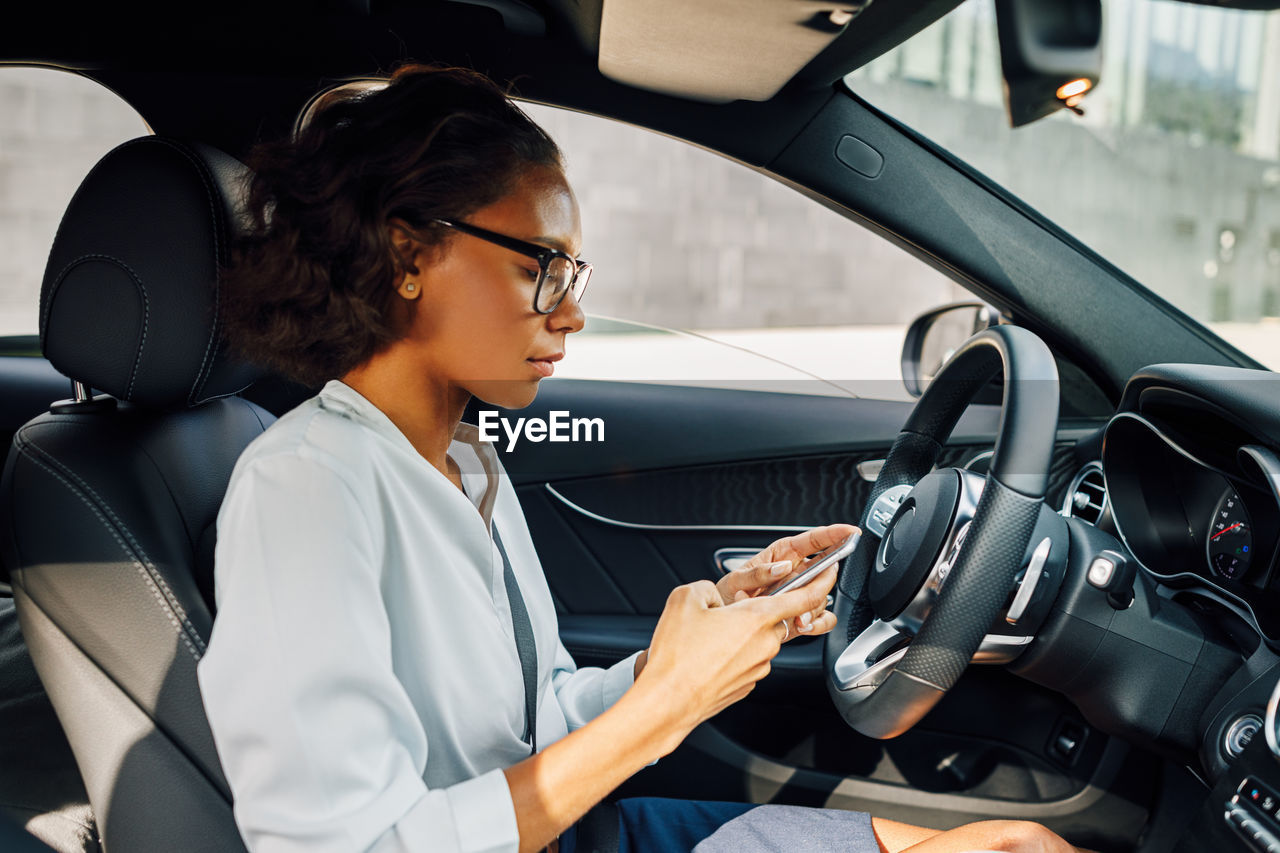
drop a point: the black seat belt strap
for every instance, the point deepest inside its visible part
(525, 645)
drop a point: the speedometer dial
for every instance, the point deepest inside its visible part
(1230, 539)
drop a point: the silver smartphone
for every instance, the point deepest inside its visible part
(813, 566)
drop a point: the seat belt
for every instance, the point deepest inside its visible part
(525, 645)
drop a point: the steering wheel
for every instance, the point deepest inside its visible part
(941, 551)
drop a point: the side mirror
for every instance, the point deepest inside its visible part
(1050, 53)
(935, 335)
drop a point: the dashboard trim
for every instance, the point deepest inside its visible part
(1268, 463)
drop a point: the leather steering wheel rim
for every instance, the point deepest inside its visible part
(992, 551)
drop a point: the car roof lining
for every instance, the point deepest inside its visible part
(715, 50)
(314, 34)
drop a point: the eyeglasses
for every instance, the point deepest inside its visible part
(558, 272)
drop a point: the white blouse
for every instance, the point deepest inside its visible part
(362, 679)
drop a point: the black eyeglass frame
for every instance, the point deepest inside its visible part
(543, 254)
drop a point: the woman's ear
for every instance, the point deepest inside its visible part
(409, 250)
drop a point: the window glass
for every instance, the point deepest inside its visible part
(1173, 171)
(54, 126)
(736, 279)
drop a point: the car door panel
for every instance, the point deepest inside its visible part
(616, 539)
(617, 524)
(30, 385)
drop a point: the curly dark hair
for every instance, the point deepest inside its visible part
(310, 288)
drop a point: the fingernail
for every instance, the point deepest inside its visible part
(806, 621)
(779, 569)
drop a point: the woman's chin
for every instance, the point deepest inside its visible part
(506, 394)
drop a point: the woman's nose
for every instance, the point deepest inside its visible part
(568, 315)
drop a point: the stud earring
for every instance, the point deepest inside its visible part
(410, 287)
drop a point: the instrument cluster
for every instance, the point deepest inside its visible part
(1199, 502)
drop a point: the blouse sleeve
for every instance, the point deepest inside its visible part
(585, 693)
(322, 748)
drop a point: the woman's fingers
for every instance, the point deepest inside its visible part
(777, 563)
(796, 548)
(752, 578)
(815, 539)
(765, 575)
(790, 605)
(813, 622)
(804, 622)
(820, 623)
(805, 625)
(703, 594)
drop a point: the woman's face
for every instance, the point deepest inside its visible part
(473, 324)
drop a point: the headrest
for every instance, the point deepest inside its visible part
(129, 303)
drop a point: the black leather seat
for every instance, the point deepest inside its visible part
(40, 787)
(109, 503)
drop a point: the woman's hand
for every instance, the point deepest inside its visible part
(706, 655)
(775, 564)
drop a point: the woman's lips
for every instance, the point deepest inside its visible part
(543, 366)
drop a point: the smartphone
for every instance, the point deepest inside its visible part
(813, 566)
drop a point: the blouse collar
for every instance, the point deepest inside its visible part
(476, 459)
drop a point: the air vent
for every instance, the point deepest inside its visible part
(1087, 497)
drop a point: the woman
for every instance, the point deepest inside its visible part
(385, 656)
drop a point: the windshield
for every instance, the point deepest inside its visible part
(1173, 171)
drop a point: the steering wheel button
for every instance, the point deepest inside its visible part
(1101, 571)
(885, 507)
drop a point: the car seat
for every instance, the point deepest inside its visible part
(41, 794)
(109, 502)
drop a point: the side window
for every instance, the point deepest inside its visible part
(710, 273)
(54, 126)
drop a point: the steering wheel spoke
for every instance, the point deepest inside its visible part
(869, 659)
(872, 656)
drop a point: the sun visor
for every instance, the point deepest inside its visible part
(716, 50)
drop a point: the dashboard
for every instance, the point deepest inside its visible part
(1192, 475)
(1184, 482)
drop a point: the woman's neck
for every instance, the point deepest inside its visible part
(427, 411)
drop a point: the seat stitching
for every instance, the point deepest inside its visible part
(168, 602)
(57, 237)
(142, 290)
(138, 565)
(210, 195)
(164, 585)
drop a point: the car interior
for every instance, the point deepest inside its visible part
(1046, 618)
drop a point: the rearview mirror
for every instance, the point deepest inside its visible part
(935, 335)
(1050, 53)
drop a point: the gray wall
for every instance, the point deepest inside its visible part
(1154, 204)
(53, 127)
(684, 238)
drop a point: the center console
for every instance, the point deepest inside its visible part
(1242, 812)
